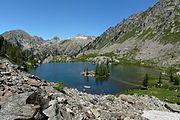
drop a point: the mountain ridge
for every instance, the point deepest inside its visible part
(45, 48)
(152, 35)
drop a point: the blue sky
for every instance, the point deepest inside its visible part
(65, 18)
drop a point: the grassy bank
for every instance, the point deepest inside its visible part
(79, 59)
(165, 88)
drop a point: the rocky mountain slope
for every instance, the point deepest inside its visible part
(26, 97)
(22, 39)
(45, 48)
(150, 35)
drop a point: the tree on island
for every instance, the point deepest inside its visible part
(102, 70)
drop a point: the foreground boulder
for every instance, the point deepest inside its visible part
(15, 107)
(173, 107)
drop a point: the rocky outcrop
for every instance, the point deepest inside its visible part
(24, 96)
(101, 60)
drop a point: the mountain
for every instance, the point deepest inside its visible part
(22, 39)
(44, 48)
(70, 46)
(150, 35)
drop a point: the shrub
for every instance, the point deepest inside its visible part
(59, 86)
(176, 82)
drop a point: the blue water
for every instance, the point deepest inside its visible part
(121, 77)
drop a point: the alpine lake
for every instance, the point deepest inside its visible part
(122, 77)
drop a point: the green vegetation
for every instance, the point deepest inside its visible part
(83, 58)
(169, 37)
(55, 60)
(161, 87)
(127, 35)
(101, 71)
(177, 23)
(59, 86)
(126, 61)
(103, 42)
(17, 56)
(111, 55)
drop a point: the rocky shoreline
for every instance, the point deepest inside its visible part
(26, 97)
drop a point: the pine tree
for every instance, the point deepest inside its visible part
(160, 77)
(145, 82)
(171, 75)
(176, 82)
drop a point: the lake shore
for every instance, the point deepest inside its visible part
(22, 91)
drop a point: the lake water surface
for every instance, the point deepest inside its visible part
(122, 77)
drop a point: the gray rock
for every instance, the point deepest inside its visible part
(101, 60)
(173, 107)
(2, 88)
(16, 108)
(96, 113)
(53, 112)
(6, 73)
(61, 99)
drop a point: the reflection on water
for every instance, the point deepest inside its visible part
(121, 77)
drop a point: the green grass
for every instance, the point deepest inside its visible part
(166, 91)
(126, 36)
(111, 54)
(83, 58)
(126, 61)
(58, 60)
(103, 41)
(59, 86)
(169, 37)
(163, 94)
(177, 23)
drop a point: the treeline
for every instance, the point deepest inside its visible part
(16, 55)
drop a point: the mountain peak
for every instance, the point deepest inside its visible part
(17, 32)
(79, 36)
(55, 38)
(82, 37)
